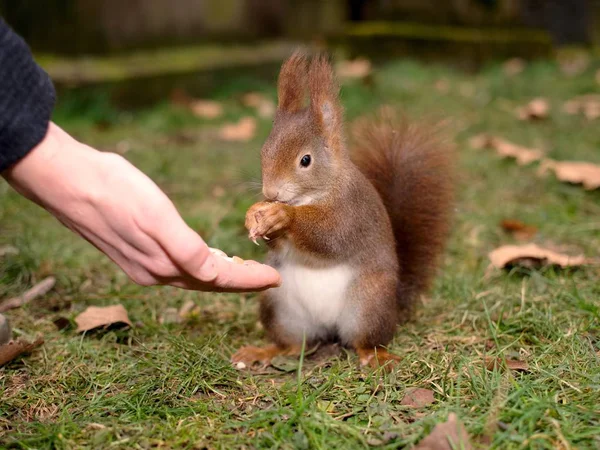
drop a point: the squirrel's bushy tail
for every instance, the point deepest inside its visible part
(413, 170)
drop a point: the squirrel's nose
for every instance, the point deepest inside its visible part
(270, 193)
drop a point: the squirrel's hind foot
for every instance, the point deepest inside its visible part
(377, 357)
(250, 355)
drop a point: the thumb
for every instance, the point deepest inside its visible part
(191, 254)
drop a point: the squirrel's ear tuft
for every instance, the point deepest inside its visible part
(324, 101)
(291, 88)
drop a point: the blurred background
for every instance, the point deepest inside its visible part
(75, 39)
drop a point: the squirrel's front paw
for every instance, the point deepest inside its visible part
(265, 219)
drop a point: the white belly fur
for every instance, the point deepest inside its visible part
(310, 300)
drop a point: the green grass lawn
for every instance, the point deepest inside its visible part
(171, 385)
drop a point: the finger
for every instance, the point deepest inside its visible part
(232, 280)
(189, 252)
(185, 247)
(244, 277)
(250, 262)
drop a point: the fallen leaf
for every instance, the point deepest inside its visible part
(576, 172)
(38, 290)
(417, 397)
(206, 109)
(591, 110)
(10, 351)
(357, 68)
(516, 365)
(537, 108)
(8, 250)
(518, 229)
(481, 141)
(263, 105)
(218, 192)
(94, 317)
(513, 66)
(442, 85)
(531, 255)
(523, 155)
(448, 435)
(573, 63)
(588, 105)
(242, 131)
(506, 149)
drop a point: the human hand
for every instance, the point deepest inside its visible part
(106, 200)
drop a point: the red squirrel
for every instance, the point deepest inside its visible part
(356, 235)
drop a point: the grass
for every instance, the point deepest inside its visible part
(171, 386)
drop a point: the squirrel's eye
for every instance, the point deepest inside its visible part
(305, 161)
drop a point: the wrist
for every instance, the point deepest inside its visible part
(48, 166)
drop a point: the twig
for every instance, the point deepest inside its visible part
(39, 289)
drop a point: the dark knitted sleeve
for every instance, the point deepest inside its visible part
(26, 99)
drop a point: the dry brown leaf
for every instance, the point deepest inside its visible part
(506, 149)
(531, 255)
(357, 68)
(263, 105)
(573, 64)
(442, 85)
(576, 172)
(10, 351)
(591, 110)
(417, 397)
(513, 66)
(94, 317)
(242, 131)
(206, 109)
(538, 108)
(518, 229)
(588, 105)
(481, 141)
(448, 435)
(38, 290)
(523, 155)
(492, 363)
(218, 192)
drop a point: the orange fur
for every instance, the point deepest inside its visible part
(412, 169)
(376, 218)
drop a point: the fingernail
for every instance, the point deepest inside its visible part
(208, 270)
